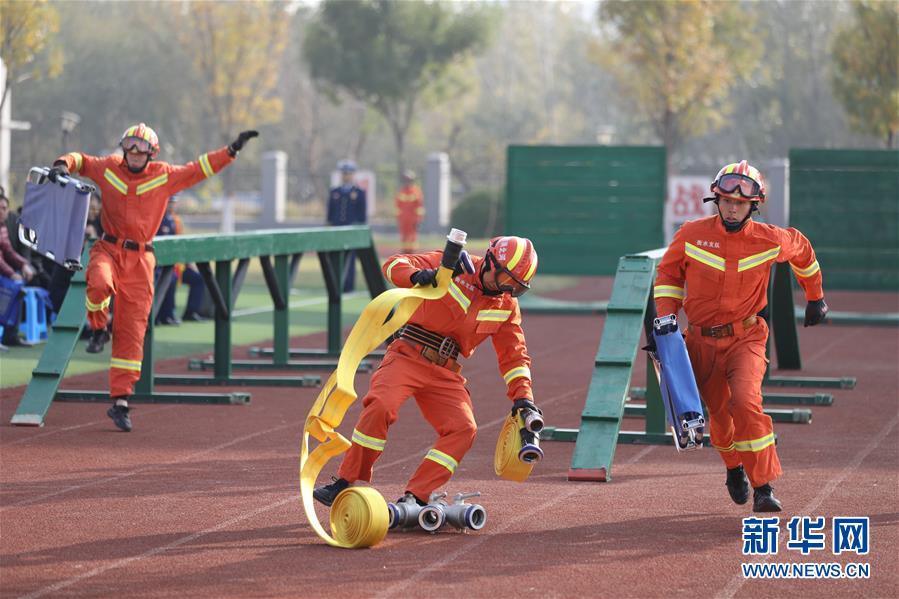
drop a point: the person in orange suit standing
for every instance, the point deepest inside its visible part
(410, 210)
(718, 268)
(422, 362)
(136, 190)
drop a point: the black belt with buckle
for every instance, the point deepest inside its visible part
(128, 244)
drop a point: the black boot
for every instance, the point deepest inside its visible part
(737, 485)
(764, 500)
(120, 417)
(97, 341)
(328, 493)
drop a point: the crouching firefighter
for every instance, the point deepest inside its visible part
(718, 268)
(422, 361)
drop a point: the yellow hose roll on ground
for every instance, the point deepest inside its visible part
(351, 527)
(359, 518)
(505, 459)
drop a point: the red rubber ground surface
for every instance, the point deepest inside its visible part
(203, 501)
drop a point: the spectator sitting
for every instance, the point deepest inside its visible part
(13, 267)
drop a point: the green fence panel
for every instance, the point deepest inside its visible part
(847, 203)
(586, 206)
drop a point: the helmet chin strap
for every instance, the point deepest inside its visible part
(485, 266)
(735, 227)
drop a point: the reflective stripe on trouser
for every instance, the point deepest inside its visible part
(729, 373)
(128, 275)
(444, 402)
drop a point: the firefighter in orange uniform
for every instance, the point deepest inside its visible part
(410, 210)
(718, 268)
(136, 190)
(422, 362)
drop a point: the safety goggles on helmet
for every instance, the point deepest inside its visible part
(513, 285)
(136, 144)
(734, 183)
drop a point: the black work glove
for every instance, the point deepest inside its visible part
(237, 145)
(815, 312)
(57, 171)
(427, 276)
(530, 413)
(525, 404)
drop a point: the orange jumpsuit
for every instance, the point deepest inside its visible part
(469, 317)
(133, 207)
(409, 212)
(722, 278)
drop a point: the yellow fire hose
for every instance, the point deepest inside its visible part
(505, 459)
(359, 515)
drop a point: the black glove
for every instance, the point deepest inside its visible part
(237, 145)
(530, 413)
(427, 276)
(815, 312)
(58, 170)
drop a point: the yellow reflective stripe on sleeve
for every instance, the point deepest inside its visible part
(755, 445)
(92, 307)
(445, 460)
(206, 166)
(517, 372)
(459, 296)
(153, 184)
(369, 442)
(758, 259)
(120, 185)
(807, 271)
(79, 160)
(394, 263)
(519, 252)
(494, 315)
(707, 258)
(125, 364)
(668, 291)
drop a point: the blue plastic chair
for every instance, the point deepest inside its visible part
(34, 325)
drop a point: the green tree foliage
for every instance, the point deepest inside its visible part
(390, 54)
(25, 29)
(480, 213)
(237, 49)
(678, 61)
(865, 68)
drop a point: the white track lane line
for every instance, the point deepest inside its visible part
(66, 429)
(736, 583)
(180, 460)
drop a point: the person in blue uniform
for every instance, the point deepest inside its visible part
(346, 206)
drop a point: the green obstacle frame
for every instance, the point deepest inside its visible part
(629, 312)
(279, 252)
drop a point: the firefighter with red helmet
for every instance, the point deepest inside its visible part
(717, 268)
(136, 190)
(422, 361)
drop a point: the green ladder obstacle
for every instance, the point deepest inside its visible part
(279, 252)
(630, 311)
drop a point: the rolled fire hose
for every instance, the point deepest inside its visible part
(505, 459)
(359, 515)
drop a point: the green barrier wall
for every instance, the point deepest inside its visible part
(585, 206)
(847, 203)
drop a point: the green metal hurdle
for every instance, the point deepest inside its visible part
(279, 252)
